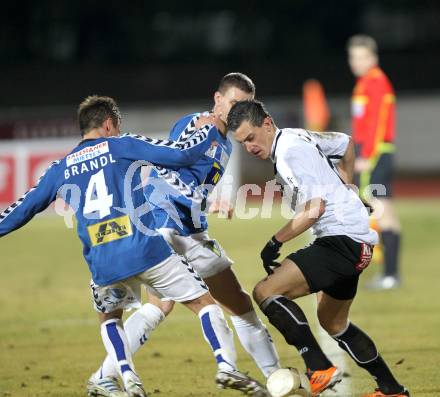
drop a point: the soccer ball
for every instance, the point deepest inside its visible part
(288, 382)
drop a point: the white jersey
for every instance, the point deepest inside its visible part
(303, 165)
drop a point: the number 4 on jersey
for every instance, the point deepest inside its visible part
(97, 197)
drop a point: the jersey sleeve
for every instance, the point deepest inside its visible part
(32, 202)
(184, 128)
(166, 153)
(333, 144)
(377, 113)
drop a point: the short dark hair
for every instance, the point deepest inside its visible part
(251, 110)
(362, 40)
(94, 110)
(237, 80)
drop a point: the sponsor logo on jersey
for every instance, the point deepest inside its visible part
(88, 153)
(214, 174)
(110, 230)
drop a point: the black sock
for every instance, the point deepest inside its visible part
(363, 351)
(290, 320)
(391, 244)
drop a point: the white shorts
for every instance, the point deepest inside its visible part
(206, 255)
(173, 279)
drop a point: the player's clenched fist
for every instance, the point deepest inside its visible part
(270, 252)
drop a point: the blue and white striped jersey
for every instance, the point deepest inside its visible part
(100, 179)
(200, 177)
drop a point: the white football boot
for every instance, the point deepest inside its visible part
(236, 380)
(104, 387)
(133, 385)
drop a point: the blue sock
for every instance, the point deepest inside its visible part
(116, 344)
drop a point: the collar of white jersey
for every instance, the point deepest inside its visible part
(274, 144)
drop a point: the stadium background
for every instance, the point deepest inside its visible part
(161, 60)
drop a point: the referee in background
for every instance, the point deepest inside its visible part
(373, 126)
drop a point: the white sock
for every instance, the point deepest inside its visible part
(256, 340)
(138, 328)
(116, 344)
(141, 324)
(219, 336)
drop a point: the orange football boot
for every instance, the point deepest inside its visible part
(378, 393)
(321, 380)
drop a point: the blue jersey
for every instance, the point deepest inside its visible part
(101, 180)
(204, 171)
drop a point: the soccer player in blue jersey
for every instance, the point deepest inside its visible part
(100, 180)
(188, 235)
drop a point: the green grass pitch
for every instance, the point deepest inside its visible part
(50, 340)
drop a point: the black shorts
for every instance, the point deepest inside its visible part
(333, 264)
(382, 174)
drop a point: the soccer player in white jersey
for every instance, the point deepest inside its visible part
(204, 253)
(331, 265)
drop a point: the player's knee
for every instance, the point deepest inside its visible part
(334, 328)
(330, 324)
(199, 303)
(166, 307)
(238, 303)
(245, 299)
(260, 292)
(103, 317)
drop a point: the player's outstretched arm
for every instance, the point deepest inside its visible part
(167, 153)
(32, 202)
